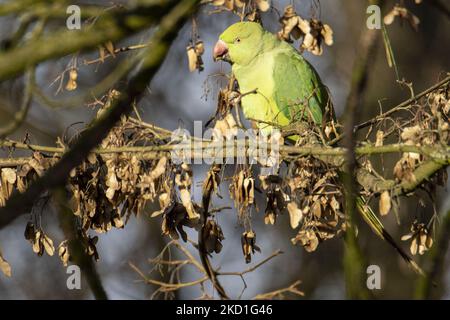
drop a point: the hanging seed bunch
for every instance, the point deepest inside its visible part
(420, 237)
(225, 123)
(292, 25)
(310, 194)
(39, 240)
(213, 237)
(276, 197)
(248, 243)
(195, 50)
(175, 217)
(72, 82)
(108, 188)
(429, 127)
(242, 191)
(105, 190)
(20, 177)
(404, 15)
(314, 33)
(182, 211)
(315, 204)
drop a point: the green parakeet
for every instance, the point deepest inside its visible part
(287, 89)
(285, 83)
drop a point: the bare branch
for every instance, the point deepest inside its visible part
(57, 175)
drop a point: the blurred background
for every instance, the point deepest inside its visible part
(175, 99)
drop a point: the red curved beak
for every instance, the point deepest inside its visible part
(220, 50)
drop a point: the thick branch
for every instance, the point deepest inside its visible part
(437, 153)
(353, 258)
(112, 26)
(77, 251)
(422, 173)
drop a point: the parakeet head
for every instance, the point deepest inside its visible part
(239, 43)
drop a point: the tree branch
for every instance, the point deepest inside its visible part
(76, 249)
(353, 258)
(402, 105)
(113, 25)
(153, 57)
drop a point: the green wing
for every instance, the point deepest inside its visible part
(297, 84)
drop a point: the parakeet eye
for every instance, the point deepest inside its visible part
(237, 40)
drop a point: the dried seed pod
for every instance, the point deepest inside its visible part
(109, 46)
(192, 58)
(226, 127)
(270, 217)
(38, 248)
(385, 203)
(290, 22)
(421, 238)
(316, 33)
(212, 181)
(403, 13)
(307, 238)
(63, 252)
(9, 175)
(175, 218)
(29, 231)
(248, 242)
(213, 237)
(8, 179)
(411, 133)
(72, 82)
(242, 191)
(194, 53)
(4, 266)
(117, 221)
(379, 138)
(90, 246)
(185, 196)
(47, 243)
(295, 214)
(263, 5)
(404, 168)
(199, 47)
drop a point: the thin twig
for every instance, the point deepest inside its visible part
(280, 292)
(117, 50)
(402, 105)
(165, 285)
(252, 268)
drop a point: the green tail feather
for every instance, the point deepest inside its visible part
(377, 227)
